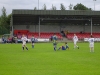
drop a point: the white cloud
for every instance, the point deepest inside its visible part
(30, 4)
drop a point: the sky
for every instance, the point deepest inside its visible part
(30, 4)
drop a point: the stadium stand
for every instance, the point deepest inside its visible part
(29, 34)
(33, 22)
(46, 35)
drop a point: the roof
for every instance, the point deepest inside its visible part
(23, 16)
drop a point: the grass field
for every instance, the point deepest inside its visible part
(43, 60)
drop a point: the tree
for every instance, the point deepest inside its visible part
(4, 26)
(8, 21)
(62, 7)
(81, 7)
(35, 8)
(53, 7)
(44, 7)
(70, 6)
(3, 17)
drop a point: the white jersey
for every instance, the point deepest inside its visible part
(75, 38)
(91, 40)
(24, 39)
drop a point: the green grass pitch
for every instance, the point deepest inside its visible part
(43, 60)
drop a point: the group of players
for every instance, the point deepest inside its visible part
(24, 39)
(63, 47)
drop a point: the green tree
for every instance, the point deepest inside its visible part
(70, 6)
(53, 7)
(80, 7)
(3, 17)
(62, 7)
(35, 8)
(4, 26)
(8, 21)
(44, 7)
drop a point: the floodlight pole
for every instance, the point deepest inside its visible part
(94, 4)
(91, 26)
(38, 4)
(39, 27)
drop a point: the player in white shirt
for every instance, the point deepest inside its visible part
(75, 40)
(91, 44)
(24, 39)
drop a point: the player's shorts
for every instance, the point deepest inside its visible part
(32, 41)
(54, 44)
(91, 45)
(75, 42)
(63, 48)
(24, 43)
